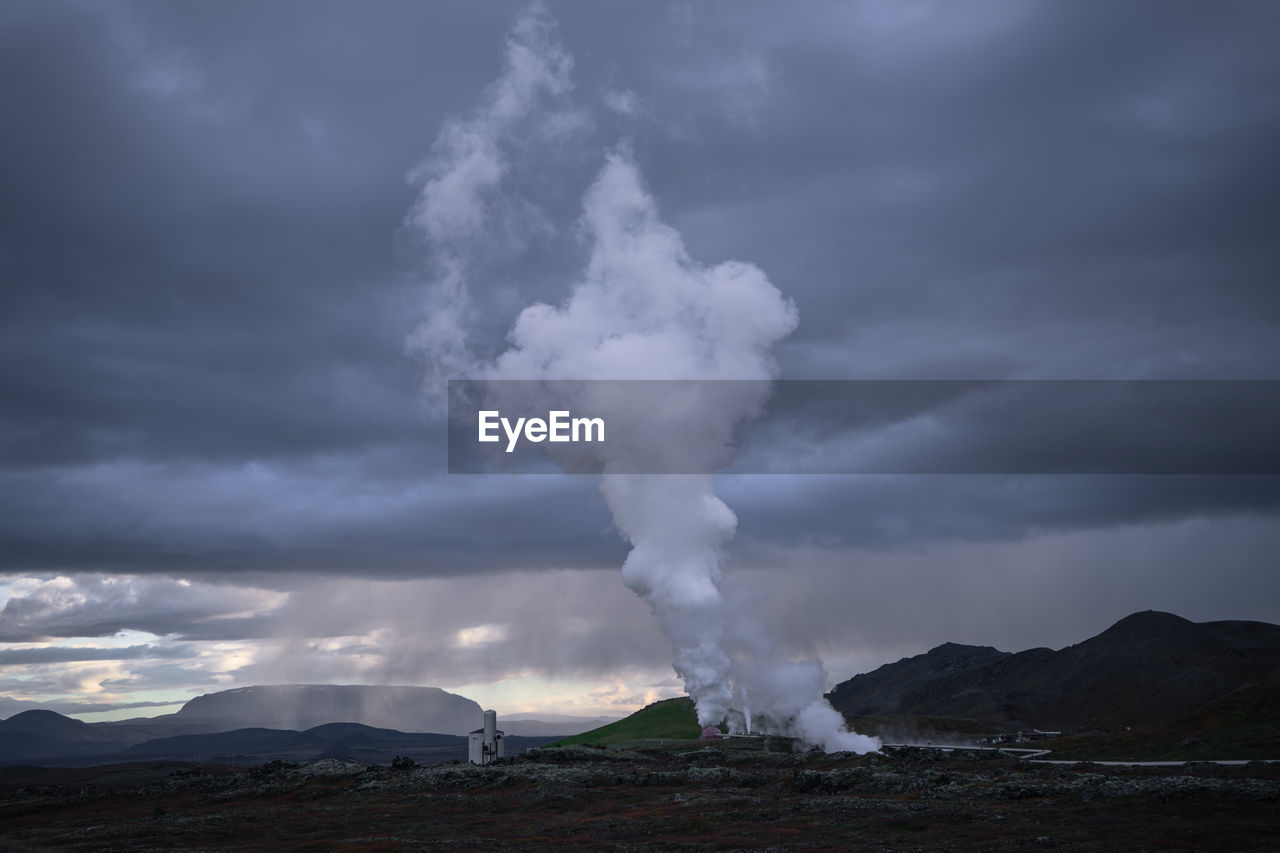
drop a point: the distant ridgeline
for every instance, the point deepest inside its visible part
(373, 724)
(1148, 670)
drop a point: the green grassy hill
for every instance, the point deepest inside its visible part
(669, 719)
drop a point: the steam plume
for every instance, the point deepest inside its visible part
(643, 309)
(462, 190)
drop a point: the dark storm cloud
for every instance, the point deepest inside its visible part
(9, 707)
(886, 512)
(1072, 193)
(204, 270)
(67, 654)
(208, 284)
(101, 606)
(161, 676)
(330, 517)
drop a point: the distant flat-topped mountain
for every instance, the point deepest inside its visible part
(1149, 669)
(281, 721)
(304, 706)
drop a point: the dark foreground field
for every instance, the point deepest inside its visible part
(584, 798)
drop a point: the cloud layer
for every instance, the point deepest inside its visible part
(209, 282)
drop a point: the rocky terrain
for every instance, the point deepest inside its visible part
(712, 797)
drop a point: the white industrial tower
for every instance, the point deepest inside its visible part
(486, 744)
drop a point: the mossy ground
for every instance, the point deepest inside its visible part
(708, 798)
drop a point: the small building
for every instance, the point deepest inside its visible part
(485, 744)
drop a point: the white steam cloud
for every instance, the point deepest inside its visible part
(462, 183)
(643, 309)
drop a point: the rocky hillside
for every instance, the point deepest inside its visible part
(1148, 670)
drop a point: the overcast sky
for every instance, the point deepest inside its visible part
(218, 462)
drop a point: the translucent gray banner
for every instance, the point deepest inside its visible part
(1197, 427)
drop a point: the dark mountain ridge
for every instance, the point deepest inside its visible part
(49, 734)
(333, 740)
(369, 723)
(277, 721)
(48, 738)
(1147, 670)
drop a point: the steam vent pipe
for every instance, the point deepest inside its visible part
(485, 743)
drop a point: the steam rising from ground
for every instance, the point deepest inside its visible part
(642, 309)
